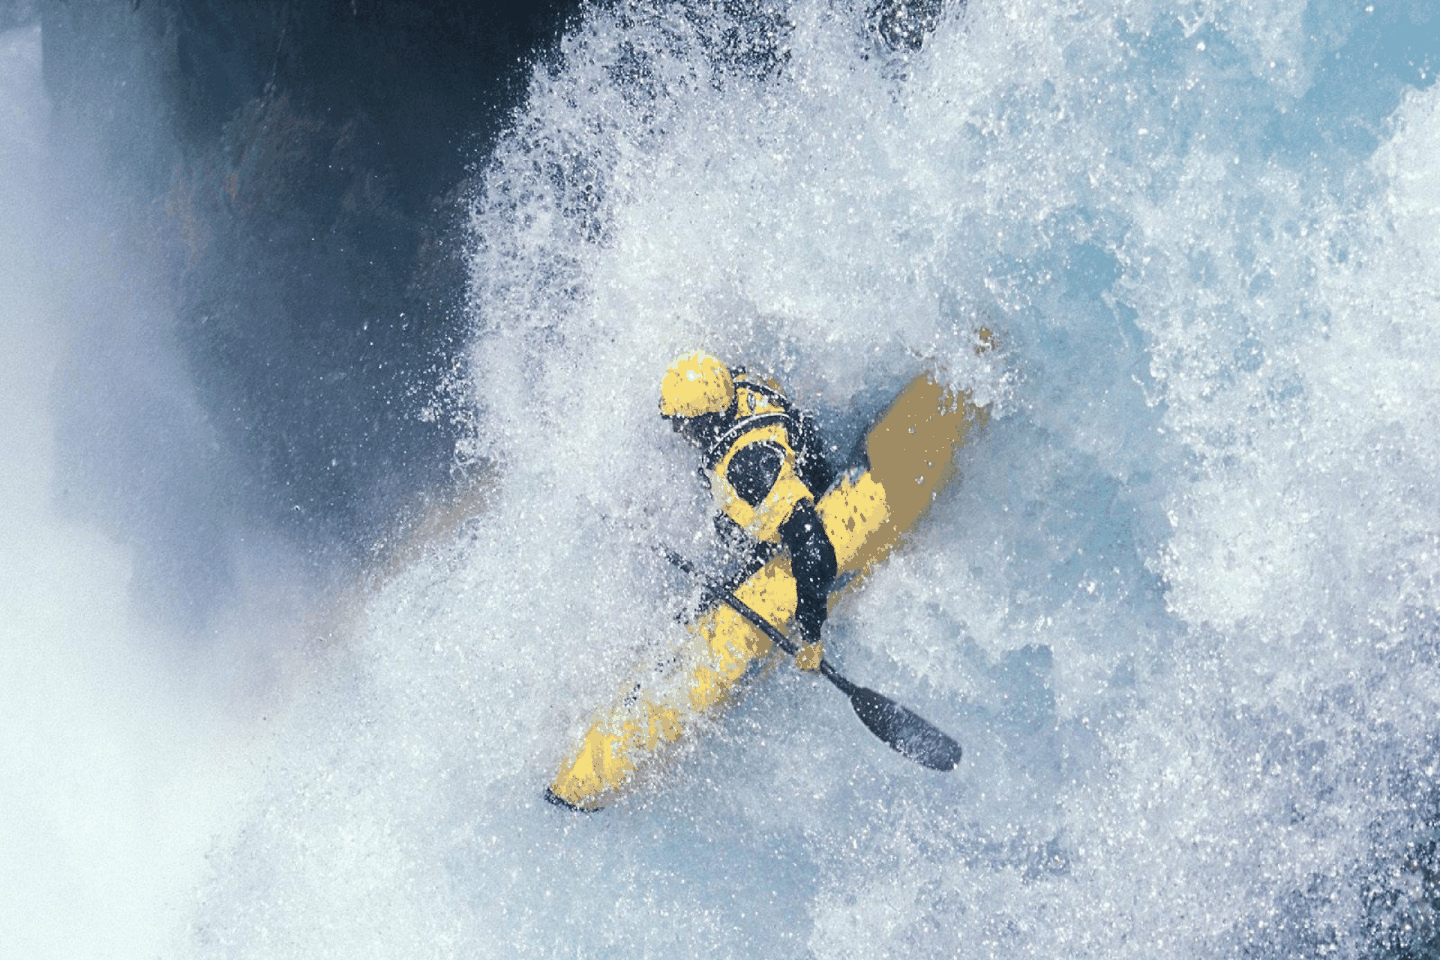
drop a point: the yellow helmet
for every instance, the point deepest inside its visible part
(696, 385)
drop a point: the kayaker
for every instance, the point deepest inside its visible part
(764, 463)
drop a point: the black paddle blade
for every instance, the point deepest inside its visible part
(911, 735)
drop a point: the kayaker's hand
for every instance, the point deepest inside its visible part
(808, 657)
(812, 648)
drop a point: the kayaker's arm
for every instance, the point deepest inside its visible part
(752, 472)
(812, 561)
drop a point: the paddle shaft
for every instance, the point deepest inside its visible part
(765, 626)
(905, 731)
(785, 643)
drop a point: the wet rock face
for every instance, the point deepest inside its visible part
(300, 164)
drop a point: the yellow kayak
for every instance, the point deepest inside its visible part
(909, 457)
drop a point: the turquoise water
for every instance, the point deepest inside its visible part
(1180, 610)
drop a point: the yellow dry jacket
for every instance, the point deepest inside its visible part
(763, 417)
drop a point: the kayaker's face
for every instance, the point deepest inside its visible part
(686, 427)
(702, 430)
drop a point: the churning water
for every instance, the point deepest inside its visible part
(1181, 610)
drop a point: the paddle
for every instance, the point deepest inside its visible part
(910, 734)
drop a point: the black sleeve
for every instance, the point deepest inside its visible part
(754, 469)
(812, 560)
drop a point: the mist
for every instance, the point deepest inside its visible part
(223, 407)
(142, 612)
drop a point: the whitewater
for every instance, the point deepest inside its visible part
(1180, 608)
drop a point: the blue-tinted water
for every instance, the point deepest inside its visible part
(1180, 610)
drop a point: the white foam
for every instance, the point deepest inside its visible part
(1178, 611)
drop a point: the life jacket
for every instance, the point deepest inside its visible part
(752, 464)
